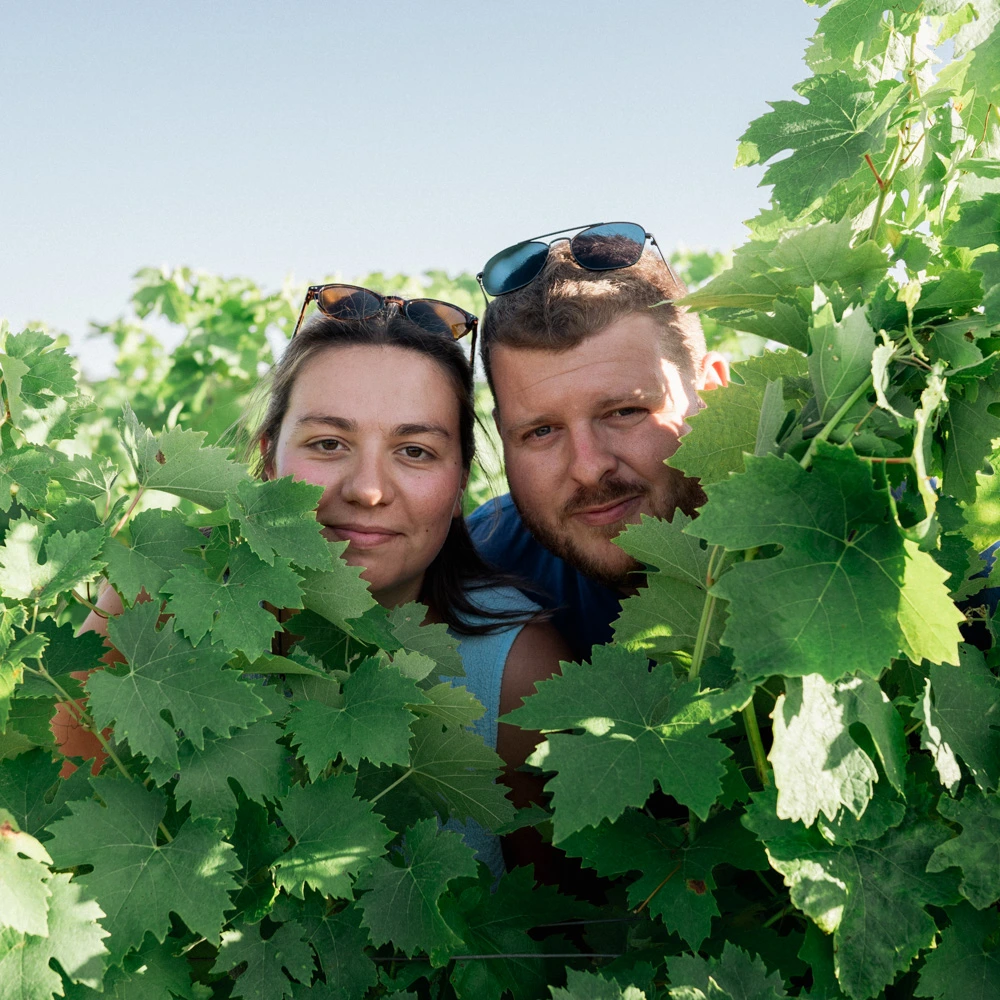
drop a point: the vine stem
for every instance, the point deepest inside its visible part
(123, 520)
(388, 789)
(707, 610)
(756, 745)
(834, 421)
(89, 604)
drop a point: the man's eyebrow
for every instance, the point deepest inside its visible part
(341, 423)
(631, 398)
(406, 430)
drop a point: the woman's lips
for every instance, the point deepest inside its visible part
(610, 513)
(360, 536)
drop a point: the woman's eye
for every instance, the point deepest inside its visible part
(328, 444)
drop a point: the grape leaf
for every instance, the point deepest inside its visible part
(641, 728)
(231, 608)
(373, 722)
(871, 895)
(726, 427)
(847, 592)
(495, 920)
(159, 539)
(433, 639)
(154, 972)
(973, 433)
(676, 881)
(337, 592)
(818, 766)
(335, 836)
(34, 794)
(849, 24)
(69, 560)
(735, 974)
(251, 757)
(666, 613)
(976, 850)
(65, 653)
(75, 940)
(841, 357)
(842, 119)
(455, 772)
(278, 518)
(451, 704)
(24, 895)
(24, 475)
(165, 672)
(593, 986)
(266, 960)
(177, 462)
(960, 711)
(257, 843)
(339, 942)
(49, 373)
(820, 255)
(966, 963)
(28, 647)
(188, 876)
(401, 901)
(14, 370)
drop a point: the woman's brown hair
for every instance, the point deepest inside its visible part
(458, 571)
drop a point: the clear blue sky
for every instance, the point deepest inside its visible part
(305, 137)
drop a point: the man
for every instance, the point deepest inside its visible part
(593, 373)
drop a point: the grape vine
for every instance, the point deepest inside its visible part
(780, 779)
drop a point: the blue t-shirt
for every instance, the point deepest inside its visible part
(583, 608)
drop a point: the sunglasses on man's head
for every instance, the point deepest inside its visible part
(352, 302)
(603, 246)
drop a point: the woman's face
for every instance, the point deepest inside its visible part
(378, 428)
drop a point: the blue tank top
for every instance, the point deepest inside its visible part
(484, 658)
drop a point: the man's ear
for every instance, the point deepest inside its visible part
(714, 372)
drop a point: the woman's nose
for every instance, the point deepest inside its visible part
(367, 483)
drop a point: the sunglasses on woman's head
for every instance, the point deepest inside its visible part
(603, 246)
(352, 302)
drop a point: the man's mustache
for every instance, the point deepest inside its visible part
(606, 492)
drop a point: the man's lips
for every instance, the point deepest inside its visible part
(361, 536)
(609, 513)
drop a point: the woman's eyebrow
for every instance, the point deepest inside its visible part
(405, 430)
(341, 423)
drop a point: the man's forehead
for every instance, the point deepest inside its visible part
(625, 361)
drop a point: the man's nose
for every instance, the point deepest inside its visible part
(590, 458)
(367, 483)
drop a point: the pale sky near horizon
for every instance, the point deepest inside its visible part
(302, 138)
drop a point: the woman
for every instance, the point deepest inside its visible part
(373, 400)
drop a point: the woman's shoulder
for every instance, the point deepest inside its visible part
(496, 598)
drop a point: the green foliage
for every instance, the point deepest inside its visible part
(277, 807)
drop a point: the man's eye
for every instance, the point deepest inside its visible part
(540, 432)
(626, 411)
(414, 451)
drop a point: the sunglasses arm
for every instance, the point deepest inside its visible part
(310, 295)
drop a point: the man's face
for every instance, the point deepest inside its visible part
(585, 434)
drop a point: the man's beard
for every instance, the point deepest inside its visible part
(683, 493)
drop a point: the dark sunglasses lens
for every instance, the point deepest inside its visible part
(514, 267)
(437, 317)
(348, 303)
(604, 248)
